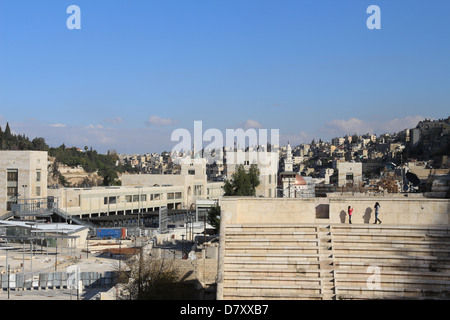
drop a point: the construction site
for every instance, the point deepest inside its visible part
(65, 261)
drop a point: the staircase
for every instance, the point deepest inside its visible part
(75, 220)
(326, 262)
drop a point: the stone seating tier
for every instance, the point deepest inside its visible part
(312, 261)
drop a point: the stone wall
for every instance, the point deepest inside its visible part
(202, 270)
(415, 210)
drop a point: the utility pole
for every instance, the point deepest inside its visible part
(204, 229)
(9, 270)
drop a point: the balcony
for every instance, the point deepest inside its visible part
(41, 207)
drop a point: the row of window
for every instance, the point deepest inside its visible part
(12, 191)
(143, 197)
(13, 176)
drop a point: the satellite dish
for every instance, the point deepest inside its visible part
(413, 178)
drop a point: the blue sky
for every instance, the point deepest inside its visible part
(139, 69)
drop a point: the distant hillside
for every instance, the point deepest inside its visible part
(106, 166)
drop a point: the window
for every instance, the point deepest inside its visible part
(38, 176)
(197, 190)
(349, 177)
(128, 198)
(191, 172)
(12, 176)
(143, 197)
(38, 191)
(170, 196)
(112, 200)
(178, 195)
(12, 191)
(135, 198)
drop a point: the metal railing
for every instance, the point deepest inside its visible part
(74, 219)
(34, 207)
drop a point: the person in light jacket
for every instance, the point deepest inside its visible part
(377, 211)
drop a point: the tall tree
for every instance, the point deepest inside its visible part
(213, 217)
(7, 133)
(243, 183)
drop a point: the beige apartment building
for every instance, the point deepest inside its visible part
(142, 193)
(267, 164)
(349, 174)
(23, 175)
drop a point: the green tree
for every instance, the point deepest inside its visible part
(7, 133)
(213, 216)
(355, 138)
(39, 144)
(243, 183)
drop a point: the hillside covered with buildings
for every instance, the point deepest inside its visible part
(389, 162)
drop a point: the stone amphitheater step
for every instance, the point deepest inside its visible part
(264, 289)
(402, 292)
(279, 272)
(393, 275)
(393, 259)
(276, 227)
(272, 256)
(409, 267)
(270, 264)
(273, 280)
(443, 229)
(273, 249)
(356, 236)
(270, 241)
(375, 249)
(387, 296)
(394, 243)
(243, 295)
(392, 283)
(279, 235)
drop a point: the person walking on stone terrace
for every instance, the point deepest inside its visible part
(350, 212)
(377, 211)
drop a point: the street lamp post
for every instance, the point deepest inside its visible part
(24, 186)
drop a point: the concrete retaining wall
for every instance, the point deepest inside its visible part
(394, 210)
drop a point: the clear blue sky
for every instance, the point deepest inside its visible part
(139, 69)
